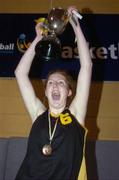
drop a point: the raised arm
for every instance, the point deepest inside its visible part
(33, 104)
(79, 104)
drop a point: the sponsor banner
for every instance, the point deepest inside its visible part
(17, 31)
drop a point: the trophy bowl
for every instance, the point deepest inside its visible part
(57, 20)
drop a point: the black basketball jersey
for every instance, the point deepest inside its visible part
(68, 150)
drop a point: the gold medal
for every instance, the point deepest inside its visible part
(47, 150)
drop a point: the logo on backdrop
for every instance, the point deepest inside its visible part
(22, 44)
(100, 53)
(7, 48)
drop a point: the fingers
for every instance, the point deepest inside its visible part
(71, 9)
(77, 14)
(40, 27)
(73, 12)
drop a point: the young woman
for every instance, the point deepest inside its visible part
(56, 145)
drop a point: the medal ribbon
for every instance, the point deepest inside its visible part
(51, 134)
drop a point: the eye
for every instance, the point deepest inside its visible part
(50, 82)
(61, 83)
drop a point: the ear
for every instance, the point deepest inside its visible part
(69, 93)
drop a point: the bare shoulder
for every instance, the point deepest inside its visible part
(77, 111)
(37, 110)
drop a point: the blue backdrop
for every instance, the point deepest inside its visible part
(101, 31)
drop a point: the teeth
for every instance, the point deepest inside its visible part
(55, 93)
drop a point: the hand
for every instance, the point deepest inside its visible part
(73, 16)
(40, 30)
(70, 10)
(75, 11)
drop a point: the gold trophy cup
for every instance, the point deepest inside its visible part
(49, 48)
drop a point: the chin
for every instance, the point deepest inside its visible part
(56, 105)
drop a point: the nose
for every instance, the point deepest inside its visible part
(55, 84)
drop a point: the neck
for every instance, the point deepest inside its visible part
(56, 112)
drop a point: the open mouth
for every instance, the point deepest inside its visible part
(55, 96)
